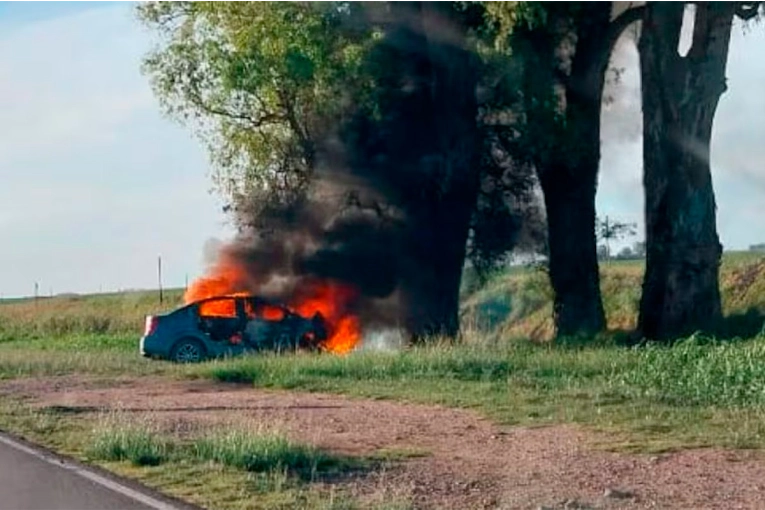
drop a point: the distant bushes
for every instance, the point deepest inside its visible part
(518, 302)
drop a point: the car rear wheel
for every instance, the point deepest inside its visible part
(188, 350)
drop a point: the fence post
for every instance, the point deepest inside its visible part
(159, 278)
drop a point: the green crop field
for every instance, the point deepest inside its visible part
(699, 392)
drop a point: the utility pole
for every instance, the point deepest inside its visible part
(159, 277)
(37, 290)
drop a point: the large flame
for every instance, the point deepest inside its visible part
(332, 300)
(329, 298)
(225, 279)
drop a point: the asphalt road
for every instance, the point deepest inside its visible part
(31, 479)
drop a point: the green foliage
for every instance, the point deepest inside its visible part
(538, 38)
(609, 230)
(258, 80)
(501, 18)
(255, 449)
(136, 443)
(262, 451)
(700, 371)
(266, 83)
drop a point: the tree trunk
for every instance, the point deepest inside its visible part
(568, 168)
(438, 249)
(680, 95)
(439, 242)
(573, 261)
(428, 154)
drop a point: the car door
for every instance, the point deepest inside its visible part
(235, 344)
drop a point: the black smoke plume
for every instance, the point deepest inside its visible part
(363, 218)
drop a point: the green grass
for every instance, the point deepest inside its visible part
(24, 362)
(699, 392)
(254, 448)
(228, 467)
(136, 443)
(97, 314)
(693, 393)
(263, 451)
(518, 303)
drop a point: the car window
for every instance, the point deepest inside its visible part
(218, 308)
(264, 311)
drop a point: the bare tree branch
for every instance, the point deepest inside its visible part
(266, 119)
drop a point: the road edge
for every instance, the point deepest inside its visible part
(125, 486)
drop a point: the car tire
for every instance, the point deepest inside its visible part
(188, 350)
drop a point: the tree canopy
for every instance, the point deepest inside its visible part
(257, 81)
(452, 115)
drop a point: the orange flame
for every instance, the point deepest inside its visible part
(332, 300)
(225, 279)
(329, 298)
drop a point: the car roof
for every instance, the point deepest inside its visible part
(258, 299)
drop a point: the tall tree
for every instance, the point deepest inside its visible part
(257, 82)
(567, 48)
(680, 95)
(394, 83)
(424, 143)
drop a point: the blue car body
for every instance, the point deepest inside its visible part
(186, 335)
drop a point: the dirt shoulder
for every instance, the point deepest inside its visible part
(450, 459)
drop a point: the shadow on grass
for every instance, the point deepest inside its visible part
(610, 338)
(740, 326)
(733, 327)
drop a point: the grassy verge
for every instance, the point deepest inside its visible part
(699, 392)
(230, 466)
(518, 302)
(78, 353)
(696, 393)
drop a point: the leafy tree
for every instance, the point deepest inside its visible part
(384, 94)
(609, 230)
(625, 253)
(564, 50)
(258, 81)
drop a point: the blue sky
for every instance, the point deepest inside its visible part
(738, 141)
(96, 183)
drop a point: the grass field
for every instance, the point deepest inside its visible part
(699, 392)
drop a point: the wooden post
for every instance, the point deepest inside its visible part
(159, 278)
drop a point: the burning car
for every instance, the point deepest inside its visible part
(229, 325)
